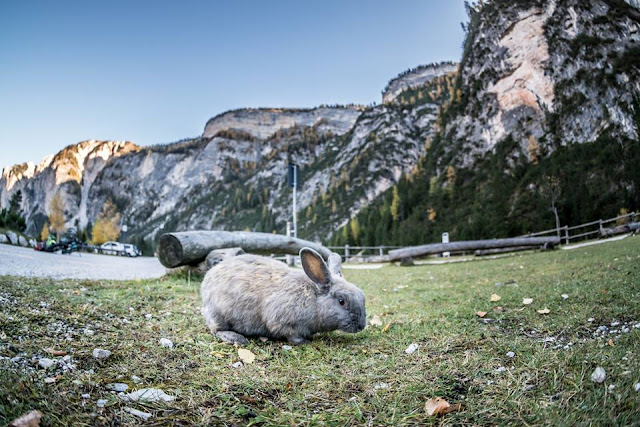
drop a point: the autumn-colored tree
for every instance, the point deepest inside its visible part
(106, 227)
(44, 234)
(534, 150)
(451, 175)
(56, 215)
(395, 204)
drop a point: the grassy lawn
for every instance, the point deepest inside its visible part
(343, 379)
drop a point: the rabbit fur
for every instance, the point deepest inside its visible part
(250, 295)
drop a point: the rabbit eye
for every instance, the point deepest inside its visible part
(341, 301)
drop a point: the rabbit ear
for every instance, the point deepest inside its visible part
(335, 264)
(315, 268)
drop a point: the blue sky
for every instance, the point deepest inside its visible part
(155, 72)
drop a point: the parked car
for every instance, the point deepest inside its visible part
(132, 250)
(117, 248)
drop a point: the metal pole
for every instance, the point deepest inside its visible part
(295, 185)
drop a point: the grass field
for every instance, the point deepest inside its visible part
(342, 379)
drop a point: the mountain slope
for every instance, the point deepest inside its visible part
(545, 113)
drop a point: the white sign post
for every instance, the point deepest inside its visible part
(445, 239)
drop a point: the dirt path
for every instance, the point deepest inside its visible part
(19, 261)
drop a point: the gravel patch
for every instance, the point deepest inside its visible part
(25, 262)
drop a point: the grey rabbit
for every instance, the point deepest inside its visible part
(251, 295)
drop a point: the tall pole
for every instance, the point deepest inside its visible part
(295, 186)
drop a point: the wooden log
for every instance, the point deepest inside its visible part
(620, 229)
(469, 245)
(192, 247)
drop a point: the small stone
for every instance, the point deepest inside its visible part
(148, 395)
(263, 339)
(498, 284)
(101, 402)
(412, 348)
(564, 296)
(100, 354)
(86, 396)
(598, 375)
(148, 316)
(501, 369)
(287, 347)
(614, 324)
(118, 387)
(46, 363)
(603, 328)
(381, 386)
(89, 332)
(237, 365)
(49, 380)
(136, 379)
(144, 415)
(590, 319)
(612, 387)
(637, 387)
(511, 354)
(167, 343)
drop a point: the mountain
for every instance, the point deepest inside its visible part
(543, 119)
(233, 176)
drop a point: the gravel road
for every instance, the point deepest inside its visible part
(19, 261)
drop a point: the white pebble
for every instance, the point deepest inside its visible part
(599, 375)
(412, 348)
(287, 347)
(511, 354)
(381, 386)
(119, 387)
(99, 353)
(147, 395)
(637, 386)
(46, 363)
(164, 342)
(148, 316)
(101, 403)
(136, 379)
(615, 323)
(86, 396)
(237, 365)
(144, 415)
(89, 332)
(612, 387)
(501, 369)
(564, 296)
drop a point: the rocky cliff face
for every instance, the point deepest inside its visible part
(555, 72)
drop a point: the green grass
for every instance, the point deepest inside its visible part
(333, 380)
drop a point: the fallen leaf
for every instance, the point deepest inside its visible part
(246, 356)
(611, 343)
(495, 298)
(499, 309)
(439, 406)
(218, 355)
(544, 311)
(376, 321)
(30, 419)
(527, 301)
(54, 352)
(386, 327)
(481, 313)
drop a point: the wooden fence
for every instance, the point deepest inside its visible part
(566, 234)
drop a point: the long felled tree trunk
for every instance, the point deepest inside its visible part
(192, 247)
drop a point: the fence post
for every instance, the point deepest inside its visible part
(566, 234)
(601, 228)
(346, 252)
(381, 250)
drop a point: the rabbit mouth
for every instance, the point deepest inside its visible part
(353, 327)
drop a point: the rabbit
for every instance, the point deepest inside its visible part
(250, 295)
